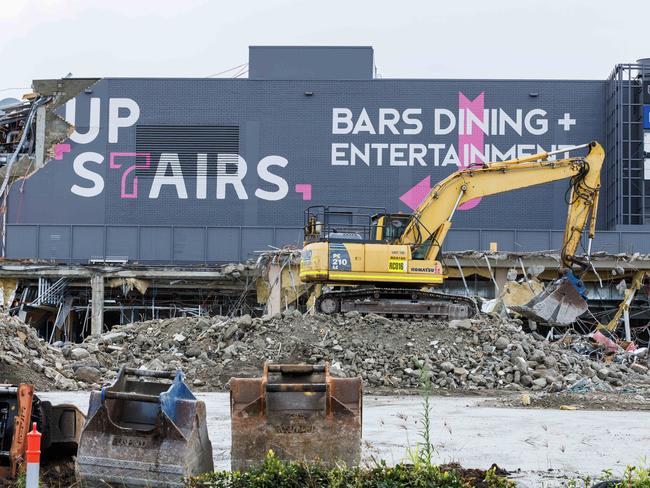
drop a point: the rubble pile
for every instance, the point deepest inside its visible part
(26, 358)
(485, 352)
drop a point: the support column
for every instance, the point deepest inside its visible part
(39, 150)
(274, 302)
(500, 277)
(97, 312)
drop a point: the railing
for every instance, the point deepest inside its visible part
(50, 293)
(159, 244)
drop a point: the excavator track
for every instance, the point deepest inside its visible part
(397, 302)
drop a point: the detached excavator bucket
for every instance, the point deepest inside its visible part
(297, 410)
(61, 426)
(143, 432)
(561, 302)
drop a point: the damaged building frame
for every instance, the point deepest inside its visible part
(132, 199)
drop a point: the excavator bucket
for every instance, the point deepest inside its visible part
(144, 432)
(60, 426)
(561, 303)
(297, 410)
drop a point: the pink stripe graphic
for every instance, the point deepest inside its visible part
(475, 139)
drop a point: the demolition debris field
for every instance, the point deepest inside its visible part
(486, 353)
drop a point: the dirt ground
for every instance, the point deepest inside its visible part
(611, 401)
(59, 474)
(14, 375)
(55, 473)
(570, 401)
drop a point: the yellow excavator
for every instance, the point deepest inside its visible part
(376, 262)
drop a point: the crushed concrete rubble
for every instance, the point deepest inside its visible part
(25, 358)
(390, 354)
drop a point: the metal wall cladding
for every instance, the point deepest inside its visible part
(206, 245)
(198, 216)
(145, 244)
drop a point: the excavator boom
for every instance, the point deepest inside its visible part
(433, 217)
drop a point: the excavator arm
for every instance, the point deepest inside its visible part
(433, 218)
(564, 300)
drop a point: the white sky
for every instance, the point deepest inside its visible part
(412, 39)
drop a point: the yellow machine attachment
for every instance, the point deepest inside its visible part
(623, 310)
(384, 262)
(60, 426)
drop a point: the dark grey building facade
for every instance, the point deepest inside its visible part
(211, 170)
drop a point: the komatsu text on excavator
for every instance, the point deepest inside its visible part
(376, 262)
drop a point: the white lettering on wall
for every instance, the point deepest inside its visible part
(414, 124)
(231, 179)
(443, 127)
(115, 122)
(168, 160)
(96, 179)
(264, 173)
(93, 120)
(201, 176)
(341, 121)
(538, 126)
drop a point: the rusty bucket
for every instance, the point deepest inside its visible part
(297, 410)
(143, 432)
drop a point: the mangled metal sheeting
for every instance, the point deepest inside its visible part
(297, 410)
(142, 432)
(13, 117)
(129, 284)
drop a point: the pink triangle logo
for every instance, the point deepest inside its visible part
(416, 195)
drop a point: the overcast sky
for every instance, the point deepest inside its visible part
(412, 39)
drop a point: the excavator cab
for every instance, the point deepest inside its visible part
(389, 227)
(355, 224)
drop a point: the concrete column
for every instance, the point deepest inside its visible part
(500, 276)
(39, 150)
(274, 302)
(97, 311)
